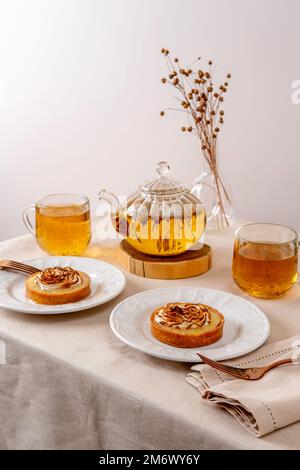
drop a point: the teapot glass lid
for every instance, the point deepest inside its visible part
(163, 183)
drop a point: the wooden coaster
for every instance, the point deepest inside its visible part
(188, 264)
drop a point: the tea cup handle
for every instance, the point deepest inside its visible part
(298, 279)
(27, 221)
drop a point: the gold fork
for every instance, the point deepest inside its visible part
(16, 266)
(250, 373)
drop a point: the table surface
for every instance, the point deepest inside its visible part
(153, 406)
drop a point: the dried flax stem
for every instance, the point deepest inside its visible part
(201, 101)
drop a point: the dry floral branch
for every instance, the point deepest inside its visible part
(202, 103)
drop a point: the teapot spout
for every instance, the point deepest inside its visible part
(109, 197)
(119, 223)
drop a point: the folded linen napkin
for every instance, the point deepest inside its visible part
(261, 406)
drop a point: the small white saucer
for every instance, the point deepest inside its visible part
(107, 282)
(245, 328)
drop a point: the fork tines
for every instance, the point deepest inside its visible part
(234, 371)
(21, 267)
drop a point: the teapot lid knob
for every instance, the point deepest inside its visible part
(162, 184)
(163, 168)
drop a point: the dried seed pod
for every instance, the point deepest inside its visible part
(200, 99)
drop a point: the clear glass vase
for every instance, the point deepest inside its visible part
(215, 195)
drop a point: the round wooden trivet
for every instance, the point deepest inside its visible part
(188, 264)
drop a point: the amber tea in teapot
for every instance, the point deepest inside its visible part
(162, 218)
(163, 237)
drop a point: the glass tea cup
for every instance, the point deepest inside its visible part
(265, 259)
(62, 223)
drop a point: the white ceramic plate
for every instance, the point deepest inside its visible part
(107, 282)
(245, 327)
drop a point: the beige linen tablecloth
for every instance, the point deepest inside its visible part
(70, 384)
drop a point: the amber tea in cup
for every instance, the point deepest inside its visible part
(62, 224)
(265, 259)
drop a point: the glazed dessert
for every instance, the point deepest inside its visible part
(58, 285)
(187, 325)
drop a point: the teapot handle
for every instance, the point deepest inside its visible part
(204, 190)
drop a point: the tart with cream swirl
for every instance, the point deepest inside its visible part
(187, 325)
(58, 286)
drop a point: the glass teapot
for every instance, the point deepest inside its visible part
(161, 218)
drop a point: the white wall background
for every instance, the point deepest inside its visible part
(80, 96)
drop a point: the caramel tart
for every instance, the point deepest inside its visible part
(187, 325)
(58, 286)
